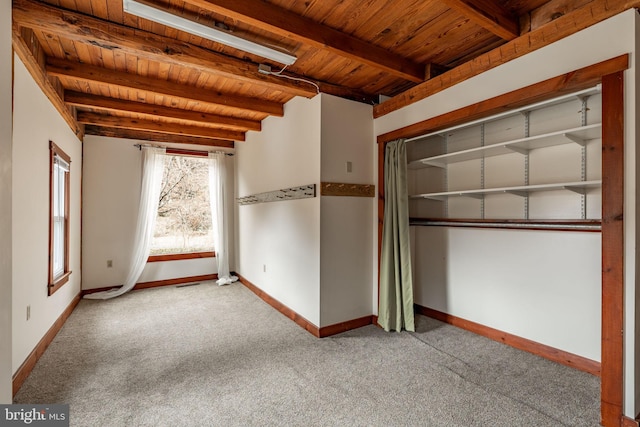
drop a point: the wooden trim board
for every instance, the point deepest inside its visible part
(180, 257)
(347, 190)
(30, 362)
(568, 359)
(301, 321)
(341, 327)
(612, 383)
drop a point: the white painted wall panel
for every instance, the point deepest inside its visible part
(541, 285)
(347, 275)
(31, 214)
(113, 173)
(278, 246)
(6, 118)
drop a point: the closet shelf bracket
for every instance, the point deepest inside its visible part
(580, 141)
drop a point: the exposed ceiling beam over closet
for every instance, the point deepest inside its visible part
(490, 15)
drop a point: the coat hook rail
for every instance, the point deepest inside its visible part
(302, 192)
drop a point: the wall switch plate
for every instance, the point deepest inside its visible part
(349, 167)
(264, 268)
(109, 263)
(28, 312)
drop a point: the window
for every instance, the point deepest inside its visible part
(58, 218)
(183, 224)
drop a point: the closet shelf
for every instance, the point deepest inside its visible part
(579, 135)
(579, 187)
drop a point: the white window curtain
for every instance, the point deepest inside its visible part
(152, 169)
(217, 184)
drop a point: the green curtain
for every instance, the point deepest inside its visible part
(396, 288)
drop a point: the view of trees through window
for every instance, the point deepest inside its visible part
(183, 224)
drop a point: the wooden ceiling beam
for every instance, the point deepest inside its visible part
(114, 105)
(560, 28)
(156, 137)
(488, 14)
(107, 35)
(26, 45)
(285, 23)
(548, 12)
(90, 73)
(97, 119)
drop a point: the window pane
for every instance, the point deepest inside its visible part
(183, 224)
(56, 190)
(59, 228)
(58, 246)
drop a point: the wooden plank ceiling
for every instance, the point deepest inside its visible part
(114, 74)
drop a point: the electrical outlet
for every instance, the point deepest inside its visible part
(109, 263)
(28, 312)
(349, 167)
(264, 268)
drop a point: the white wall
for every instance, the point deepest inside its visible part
(346, 243)
(278, 246)
(312, 255)
(6, 112)
(579, 50)
(35, 123)
(113, 173)
(631, 304)
(523, 282)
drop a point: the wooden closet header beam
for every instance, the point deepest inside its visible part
(556, 86)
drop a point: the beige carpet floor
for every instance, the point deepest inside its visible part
(219, 356)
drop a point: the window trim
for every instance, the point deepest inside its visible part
(55, 283)
(184, 255)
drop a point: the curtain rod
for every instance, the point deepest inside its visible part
(182, 150)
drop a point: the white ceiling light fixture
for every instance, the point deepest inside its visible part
(144, 10)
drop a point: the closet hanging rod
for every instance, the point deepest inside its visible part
(589, 91)
(183, 151)
(541, 225)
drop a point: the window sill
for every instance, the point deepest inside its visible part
(178, 257)
(59, 282)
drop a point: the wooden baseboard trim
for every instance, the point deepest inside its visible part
(158, 283)
(628, 422)
(30, 362)
(301, 321)
(568, 359)
(317, 332)
(338, 328)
